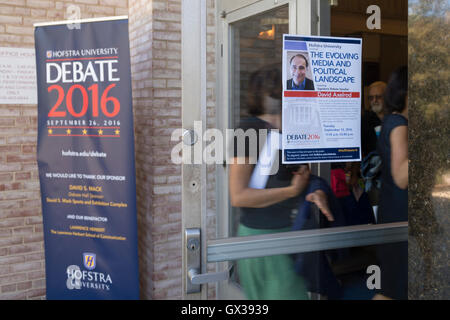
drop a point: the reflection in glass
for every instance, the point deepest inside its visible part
(256, 42)
(353, 274)
(261, 206)
(256, 104)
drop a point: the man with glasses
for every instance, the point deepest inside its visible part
(298, 66)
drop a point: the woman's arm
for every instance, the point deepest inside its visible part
(243, 196)
(399, 156)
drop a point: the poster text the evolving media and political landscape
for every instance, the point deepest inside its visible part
(86, 160)
(321, 99)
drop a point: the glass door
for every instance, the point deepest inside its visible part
(254, 247)
(251, 41)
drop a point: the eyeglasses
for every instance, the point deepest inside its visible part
(377, 97)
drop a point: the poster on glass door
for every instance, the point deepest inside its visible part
(321, 99)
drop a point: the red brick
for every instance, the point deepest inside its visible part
(8, 288)
(29, 149)
(30, 238)
(16, 195)
(38, 256)
(22, 158)
(11, 223)
(34, 221)
(39, 283)
(22, 231)
(10, 241)
(26, 248)
(5, 233)
(35, 293)
(7, 122)
(15, 213)
(18, 295)
(26, 266)
(24, 285)
(114, 3)
(32, 203)
(6, 177)
(21, 121)
(8, 131)
(33, 275)
(11, 167)
(13, 278)
(19, 30)
(22, 140)
(10, 148)
(40, 4)
(10, 186)
(22, 176)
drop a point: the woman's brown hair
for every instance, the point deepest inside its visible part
(265, 81)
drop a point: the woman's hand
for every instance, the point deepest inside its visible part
(243, 196)
(299, 181)
(319, 198)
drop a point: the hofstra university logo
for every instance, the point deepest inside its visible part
(87, 279)
(89, 260)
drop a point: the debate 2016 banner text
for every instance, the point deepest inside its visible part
(86, 160)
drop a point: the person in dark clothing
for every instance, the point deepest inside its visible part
(369, 121)
(393, 149)
(370, 131)
(268, 209)
(315, 266)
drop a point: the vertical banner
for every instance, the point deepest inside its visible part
(86, 160)
(321, 99)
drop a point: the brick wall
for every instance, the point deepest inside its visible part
(155, 44)
(22, 266)
(211, 77)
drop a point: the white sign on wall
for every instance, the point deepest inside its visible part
(17, 76)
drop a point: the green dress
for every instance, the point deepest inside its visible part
(271, 277)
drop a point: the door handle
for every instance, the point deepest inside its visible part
(203, 278)
(193, 276)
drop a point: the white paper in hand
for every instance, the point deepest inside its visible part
(268, 162)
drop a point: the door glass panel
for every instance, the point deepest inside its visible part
(340, 274)
(256, 45)
(255, 104)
